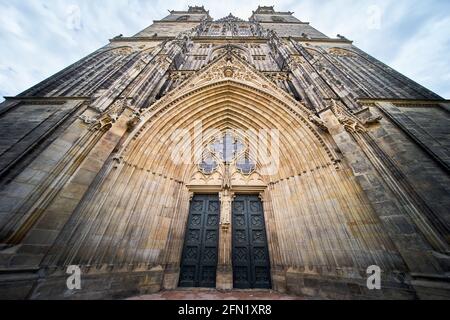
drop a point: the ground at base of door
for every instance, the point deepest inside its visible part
(196, 294)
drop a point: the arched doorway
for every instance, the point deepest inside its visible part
(228, 165)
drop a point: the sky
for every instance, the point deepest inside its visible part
(40, 37)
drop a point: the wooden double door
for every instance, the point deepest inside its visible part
(250, 254)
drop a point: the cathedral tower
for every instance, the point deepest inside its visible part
(229, 154)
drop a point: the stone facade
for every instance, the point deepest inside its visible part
(87, 176)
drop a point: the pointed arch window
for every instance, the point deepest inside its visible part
(227, 149)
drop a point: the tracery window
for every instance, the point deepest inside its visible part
(227, 149)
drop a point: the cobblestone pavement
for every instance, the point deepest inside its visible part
(195, 294)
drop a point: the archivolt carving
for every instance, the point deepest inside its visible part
(216, 71)
(243, 99)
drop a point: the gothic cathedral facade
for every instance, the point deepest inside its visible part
(226, 154)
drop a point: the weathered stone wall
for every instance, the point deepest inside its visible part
(294, 30)
(167, 29)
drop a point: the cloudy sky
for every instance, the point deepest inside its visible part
(40, 37)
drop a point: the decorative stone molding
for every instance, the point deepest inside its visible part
(318, 122)
(341, 52)
(117, 159)
(181, 76)
(117, 108)
(134, 120)
(374, 119)
(277, 76)
(350, 122)
(296, 61)
(104, 123)
(87, 119)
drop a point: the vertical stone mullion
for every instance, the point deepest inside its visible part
(225, 266)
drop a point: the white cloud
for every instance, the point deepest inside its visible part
(39, 38)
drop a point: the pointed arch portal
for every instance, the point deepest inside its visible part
(231, 125)
(274, 212)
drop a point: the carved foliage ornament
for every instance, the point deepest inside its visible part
(226, 68)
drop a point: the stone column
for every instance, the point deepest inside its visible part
(224, 279)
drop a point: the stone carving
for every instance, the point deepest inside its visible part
(104, 123)
(295, 61)
(318, 122)
(226, 199)
(372, 120)
(350, 122)
(180, 76)
(341, 37)
(117, 108)
(227, 69)
(134, 120)
(87, 120)
(277, 76)
(134, 215)
(341, 52)
(123, 51)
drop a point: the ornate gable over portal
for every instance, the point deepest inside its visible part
(230, 157)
